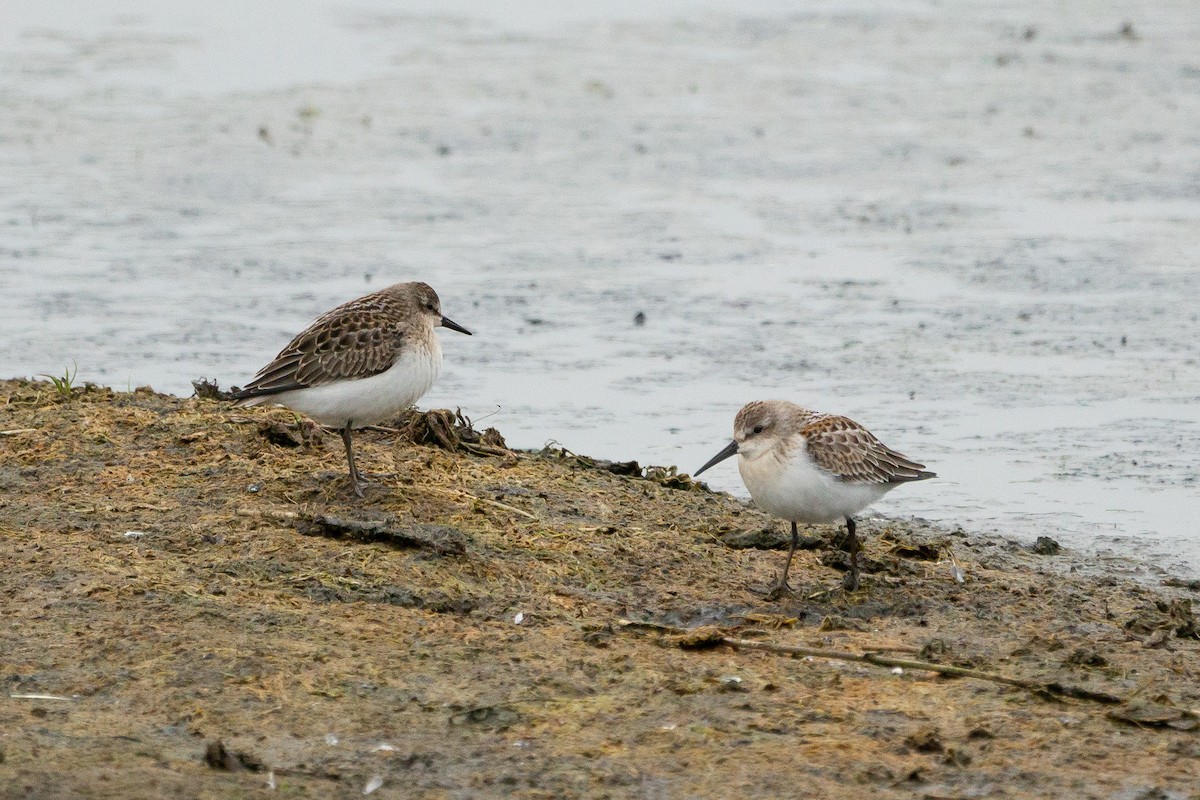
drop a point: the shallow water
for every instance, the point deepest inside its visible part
(971, 228)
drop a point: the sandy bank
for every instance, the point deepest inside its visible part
(167, 572)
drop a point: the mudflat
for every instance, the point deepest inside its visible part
(194, 605)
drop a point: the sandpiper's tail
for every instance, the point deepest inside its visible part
(241, 399)
(903, 469)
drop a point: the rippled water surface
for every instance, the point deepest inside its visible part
(973, 227)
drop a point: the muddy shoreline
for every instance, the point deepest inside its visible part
(913, 214)
(194, 607)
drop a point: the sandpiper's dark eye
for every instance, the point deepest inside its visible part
(758, 428)
(429, 306)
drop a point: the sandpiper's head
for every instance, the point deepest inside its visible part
(760, 425)
(426, 303)
(757, 428)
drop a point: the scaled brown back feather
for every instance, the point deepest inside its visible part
(355, 340)
(853, 454)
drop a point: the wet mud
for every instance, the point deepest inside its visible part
(498, 623)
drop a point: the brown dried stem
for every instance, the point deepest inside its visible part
(1053, 690)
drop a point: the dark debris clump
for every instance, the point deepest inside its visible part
(1165, 616)
(451, 430)
(668, 477)
(207, 389)
(218, 756)
(441, 539)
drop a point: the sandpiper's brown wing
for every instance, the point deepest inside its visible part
(852, 453)
(356, 340)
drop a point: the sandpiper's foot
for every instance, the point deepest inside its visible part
(356, 484)
(779, 591)
(850, 581)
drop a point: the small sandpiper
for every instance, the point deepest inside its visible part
(804, 466)
(359, 364)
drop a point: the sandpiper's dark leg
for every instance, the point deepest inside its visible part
(782, 589)
(850, 582)
(356, 481)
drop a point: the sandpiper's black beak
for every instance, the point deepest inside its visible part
(730, 449)
(454, 326)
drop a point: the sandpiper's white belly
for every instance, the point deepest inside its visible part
(367, 401)
(797, 490)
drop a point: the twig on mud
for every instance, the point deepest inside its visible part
(484, 500)
(268, 513)
(440, 539)
(289, 516)
(18, 431)
(37, 697)
(703, 637)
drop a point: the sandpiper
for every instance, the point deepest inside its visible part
(805, 466)
(359, 364)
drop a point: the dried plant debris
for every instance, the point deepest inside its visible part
(926, 739)
(206, 389)
(1172, 617)
(1085, 657)
(836, 622)
(839, 559)
(218, 756)
(669, 477)
(937, 650)
(770, 621)
(450, 430)
(1182, 583)
(776, 537)
(700, 638)
(908, 547)
(1045, 546)
(300, 433)
(1156, 714)
(630, 468)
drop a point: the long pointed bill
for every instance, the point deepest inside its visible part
(454, 326)
(730, 449)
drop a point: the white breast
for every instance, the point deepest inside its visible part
(368, 401)
(797, 490)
